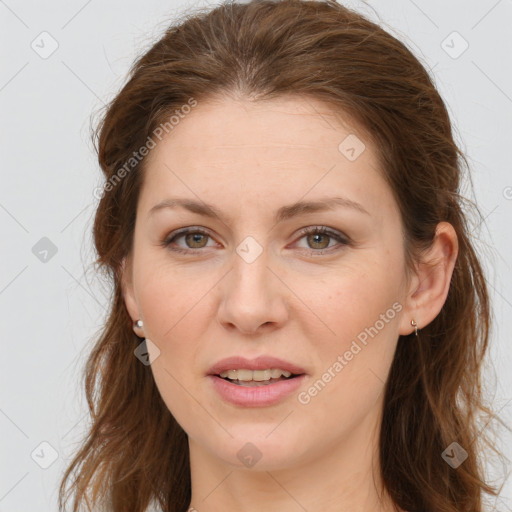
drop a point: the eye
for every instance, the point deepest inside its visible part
(194, 238)
(319, 238)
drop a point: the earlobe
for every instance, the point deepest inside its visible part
(129, 294)
(431, 284)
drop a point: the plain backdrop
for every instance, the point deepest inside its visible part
(60, 61)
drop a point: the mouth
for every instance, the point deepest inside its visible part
(259, 382)
(252, 378)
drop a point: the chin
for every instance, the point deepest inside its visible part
(259, 451)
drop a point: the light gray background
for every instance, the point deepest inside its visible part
(51, 309)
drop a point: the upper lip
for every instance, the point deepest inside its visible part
(259, 363)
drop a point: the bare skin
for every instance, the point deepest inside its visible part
(304, 299)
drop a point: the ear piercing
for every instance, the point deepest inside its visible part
(140, 324)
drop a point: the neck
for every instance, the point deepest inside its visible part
(341, 477)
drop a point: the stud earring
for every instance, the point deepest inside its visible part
(415, 325)
(139, 324)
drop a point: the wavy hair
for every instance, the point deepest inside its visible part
(135, 453)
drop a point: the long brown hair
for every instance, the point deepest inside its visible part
(135, 452)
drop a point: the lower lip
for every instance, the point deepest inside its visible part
(255, 396)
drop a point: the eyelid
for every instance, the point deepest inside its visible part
(324, 230)
(343, 239)
(168, 239)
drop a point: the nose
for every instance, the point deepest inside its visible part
(253, 299)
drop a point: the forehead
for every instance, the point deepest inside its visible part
(288, 122)
(284, 148)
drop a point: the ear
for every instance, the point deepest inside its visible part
(430, 284)
(129, 294)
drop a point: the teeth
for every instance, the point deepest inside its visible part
(256, 375)
(260, 375)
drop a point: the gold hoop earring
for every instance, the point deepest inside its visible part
(415, 325)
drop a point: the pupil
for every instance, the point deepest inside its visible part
(195, 238)
(316, 239)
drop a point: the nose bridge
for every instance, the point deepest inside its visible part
(250, 297)
(249, 280)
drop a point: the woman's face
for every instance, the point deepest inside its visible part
(248, 282)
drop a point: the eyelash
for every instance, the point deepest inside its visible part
(312, 230)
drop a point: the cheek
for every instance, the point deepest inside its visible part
(174, 308)
(173, 302)
(361, 312)
(352, 300)
(354, 363)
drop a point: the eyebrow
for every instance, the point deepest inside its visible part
(284, 213)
